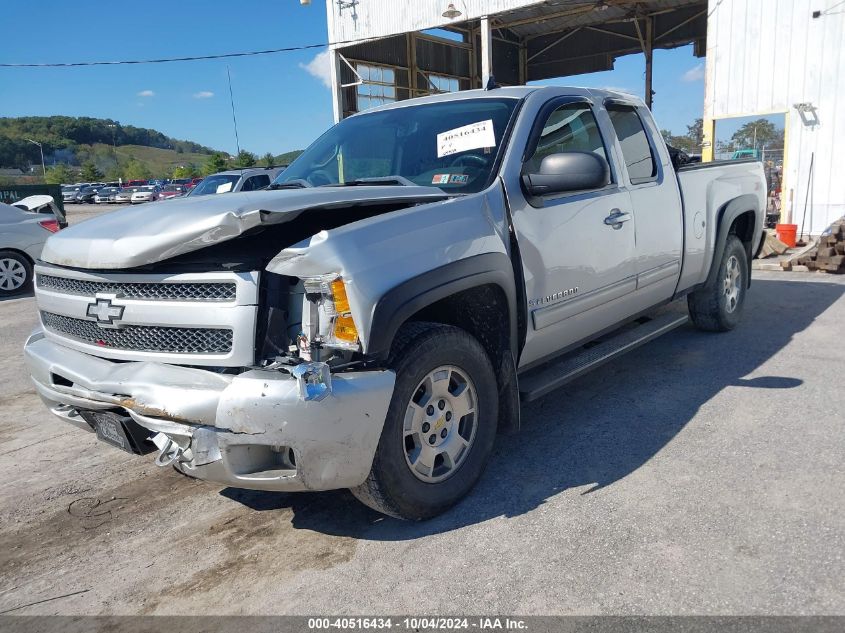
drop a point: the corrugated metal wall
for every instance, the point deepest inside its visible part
(765, 56)
(377, 18)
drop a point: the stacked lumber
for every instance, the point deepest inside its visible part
(829, 253)
(772, 246)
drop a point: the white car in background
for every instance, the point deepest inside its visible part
(149, 193)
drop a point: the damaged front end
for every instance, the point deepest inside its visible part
(261, 428)
(172, 335)
(233, 333)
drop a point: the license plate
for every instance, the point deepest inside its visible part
(110, 430)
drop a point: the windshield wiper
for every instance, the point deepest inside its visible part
(379, 180)
(297, 183)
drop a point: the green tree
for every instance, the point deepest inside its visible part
(245, 159)
(184, 171)
(59, 174)
(695, 132)
(216, 162)
(755, 134)
(268, 160)
(114, 173)
(90, 173)
(136, 170)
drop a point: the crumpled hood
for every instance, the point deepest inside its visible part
(150, 233)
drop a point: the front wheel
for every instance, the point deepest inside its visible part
(717, 307)
(440, 425)
(15, 273)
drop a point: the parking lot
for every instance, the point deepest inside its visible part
(699, 474)
(77, 213)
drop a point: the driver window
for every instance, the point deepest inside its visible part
(570, 128)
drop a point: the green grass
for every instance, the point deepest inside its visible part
(160, 162)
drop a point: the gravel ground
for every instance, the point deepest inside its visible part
(700, 474)
(77, 213)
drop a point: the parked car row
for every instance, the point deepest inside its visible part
(113, 192)
(138, 191)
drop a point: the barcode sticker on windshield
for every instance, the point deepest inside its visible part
(461, 139)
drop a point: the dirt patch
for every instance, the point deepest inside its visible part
(95, 516)
(256, 546)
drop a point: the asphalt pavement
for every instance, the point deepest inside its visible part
(699, 474)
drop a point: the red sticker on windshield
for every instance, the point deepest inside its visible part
(440, 179)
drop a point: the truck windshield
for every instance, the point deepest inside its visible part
(452, 145)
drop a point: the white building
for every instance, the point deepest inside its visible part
(763, 57)
(785, 56)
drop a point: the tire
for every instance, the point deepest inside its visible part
(717, 307)
(404, 481)
(15, 273)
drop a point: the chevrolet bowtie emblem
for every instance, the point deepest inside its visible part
(104, 311)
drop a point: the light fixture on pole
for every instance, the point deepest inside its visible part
(451, 12)
(43, 168)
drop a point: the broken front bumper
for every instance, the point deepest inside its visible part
(254, 430)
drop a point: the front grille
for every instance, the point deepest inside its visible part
(165, 291)
(143, 338)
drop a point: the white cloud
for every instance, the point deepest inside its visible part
(146, 93)
(203, 94)
(696, 73)
(320, 67)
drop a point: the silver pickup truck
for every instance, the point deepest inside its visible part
(373, 318)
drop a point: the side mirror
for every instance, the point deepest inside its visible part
(567, 171)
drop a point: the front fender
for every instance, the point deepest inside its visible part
(377, 255)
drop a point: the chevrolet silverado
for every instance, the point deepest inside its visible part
(373, 318)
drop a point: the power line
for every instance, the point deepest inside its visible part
(829, 9)
(713, 10)
(232, 101)
(165, 60)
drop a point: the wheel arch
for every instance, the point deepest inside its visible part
(477, 294)
(19, 251)
(738, 217)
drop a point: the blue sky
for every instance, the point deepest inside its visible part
(280, 104)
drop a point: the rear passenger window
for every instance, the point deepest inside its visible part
(635, 148)
(570, 128)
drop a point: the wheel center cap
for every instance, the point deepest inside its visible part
(441, 422)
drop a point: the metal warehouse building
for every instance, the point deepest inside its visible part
(763, 58)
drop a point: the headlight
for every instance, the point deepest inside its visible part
(330, 317)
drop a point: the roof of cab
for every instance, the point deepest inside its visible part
(510, 92)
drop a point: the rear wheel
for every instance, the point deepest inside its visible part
(440, 425)
(717, 307)
(15, 273)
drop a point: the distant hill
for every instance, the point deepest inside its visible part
(62, 136)
(288, 157)
(156, 161)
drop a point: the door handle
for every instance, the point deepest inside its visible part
(616, 218)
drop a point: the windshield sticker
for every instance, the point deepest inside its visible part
(458, 179)
(226, 186)
(440, 179)
(465, 138)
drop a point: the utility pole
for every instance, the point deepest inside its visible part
(113, 138)
(41, 148)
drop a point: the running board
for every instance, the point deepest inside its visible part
(536, 383)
